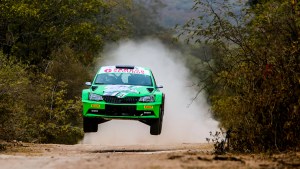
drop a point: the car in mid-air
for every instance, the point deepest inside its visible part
(123, 92)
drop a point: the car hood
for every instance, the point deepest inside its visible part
(123, 90)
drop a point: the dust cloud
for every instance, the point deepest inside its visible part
(182, 123)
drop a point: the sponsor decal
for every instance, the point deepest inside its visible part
(148, 107)
(95, 105)
(119, 91)
(147, 113)
(110, 69)
(94, 111)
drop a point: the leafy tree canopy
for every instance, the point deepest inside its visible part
(31, 30)
(253, 82)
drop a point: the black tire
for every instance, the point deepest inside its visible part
(156, 126)
(163, 106)
(90, 125)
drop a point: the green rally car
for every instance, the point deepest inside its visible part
(123, 92)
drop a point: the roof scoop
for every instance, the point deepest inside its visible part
(124, 67)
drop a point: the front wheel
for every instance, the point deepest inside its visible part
(156, 126)
(90, 125)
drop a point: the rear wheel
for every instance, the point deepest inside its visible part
(90, 125)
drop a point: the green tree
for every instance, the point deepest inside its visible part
(31, 30)
(255, 76)
(36, 107)
(47, 48)
(13, 84)
(51, 116)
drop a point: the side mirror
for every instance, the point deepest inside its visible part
(88, 83)
(159, 86)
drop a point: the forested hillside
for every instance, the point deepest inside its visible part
(47, 52)
(176, 12)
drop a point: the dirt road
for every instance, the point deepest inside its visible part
(185, 156)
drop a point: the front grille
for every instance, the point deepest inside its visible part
(120, 110)
(117, 110)
(125, 100)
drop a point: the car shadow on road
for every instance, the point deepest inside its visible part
(131, 151)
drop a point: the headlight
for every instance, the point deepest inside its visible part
(95, 97)
(147, 99)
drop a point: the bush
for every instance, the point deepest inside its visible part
(35, 107)
(13, 83)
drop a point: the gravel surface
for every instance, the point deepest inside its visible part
(185, 156)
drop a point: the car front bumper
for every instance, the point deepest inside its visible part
(138, 111)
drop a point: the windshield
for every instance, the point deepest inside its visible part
(123, 79)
